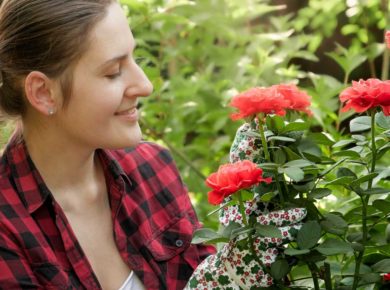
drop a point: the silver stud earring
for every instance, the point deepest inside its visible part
(50, 111)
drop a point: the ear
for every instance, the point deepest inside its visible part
(39, 90)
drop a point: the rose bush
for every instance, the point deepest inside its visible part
(305, 167)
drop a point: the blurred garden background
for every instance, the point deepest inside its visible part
(199, 54)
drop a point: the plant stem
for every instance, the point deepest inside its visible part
(279, 188)
(242, 209)
(314, 276)
(328, 277)
(373, 146)
(263, 139)
(338, 122)
(361, 253)
(365, 200)
(385, 63)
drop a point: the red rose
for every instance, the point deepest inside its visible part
(367, 94)
(297, 100)
(386, 277)
(258, 100)
(387, 39)
(271, 100)
(230, 178)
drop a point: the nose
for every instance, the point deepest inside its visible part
(139, 84)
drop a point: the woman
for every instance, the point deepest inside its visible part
(76, 210)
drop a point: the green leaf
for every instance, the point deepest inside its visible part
(334, 224)
(275, 123)
(347, 153)
(279, 269)
(298, 163)
(205, 235)
(296, 252)
(320, 138)
(304, 187)
(359, 124)
(347, 59)
(318, 193)
(245, 195)
(221, 207)
(333, 247)
(291, 154)
(308, 235)
(326, 171)
(268, 231)
(345, 180)
(363, 179)
(382, 150)
(382, 120)
(269, 166)
(296, 126)
(295, 173)
(344, 171)
(343, 143)
(382, 205)
(279, 156)
(227, 231)
(281, 138)
(268, 196)
(241, 231)
(359, 137)
(382, 266)
(370, 278)
(376, 190)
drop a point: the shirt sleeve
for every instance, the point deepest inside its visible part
(15, 271)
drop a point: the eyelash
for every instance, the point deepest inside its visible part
(115, 75)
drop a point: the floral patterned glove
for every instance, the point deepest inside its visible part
(235, 267)
(247, 144)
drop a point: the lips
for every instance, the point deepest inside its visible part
(129, 111)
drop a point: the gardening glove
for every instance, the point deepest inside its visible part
(247, 144)
(235, 267)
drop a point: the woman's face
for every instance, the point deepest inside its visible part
(107, 83)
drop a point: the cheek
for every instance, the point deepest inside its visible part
(102, 99)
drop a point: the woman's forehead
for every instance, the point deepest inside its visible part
(110, 37)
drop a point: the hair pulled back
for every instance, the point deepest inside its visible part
(42, 35)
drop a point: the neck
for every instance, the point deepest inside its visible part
(72, 172)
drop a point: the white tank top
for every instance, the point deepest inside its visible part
(132, 283)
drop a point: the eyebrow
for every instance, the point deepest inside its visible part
(116, 58)
(113, 60)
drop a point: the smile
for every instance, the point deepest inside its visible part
(127, 112)
(129, 115)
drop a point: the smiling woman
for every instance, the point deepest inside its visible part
(84, 203)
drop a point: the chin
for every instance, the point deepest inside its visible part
(131, 139)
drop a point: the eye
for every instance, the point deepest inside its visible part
(114, 72)
(114, 75)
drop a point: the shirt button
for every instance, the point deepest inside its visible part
(179, 243)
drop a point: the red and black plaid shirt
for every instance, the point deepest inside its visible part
(153, 222)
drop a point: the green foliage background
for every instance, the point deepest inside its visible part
(199, 54)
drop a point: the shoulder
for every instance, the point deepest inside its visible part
(146, 156)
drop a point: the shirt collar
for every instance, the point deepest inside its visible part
(30, 184)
